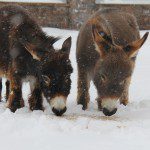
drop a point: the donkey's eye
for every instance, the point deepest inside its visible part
(103, 77)
(102, 33)
(46, 80)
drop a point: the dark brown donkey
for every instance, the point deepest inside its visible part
(27, 54)
(106, 52)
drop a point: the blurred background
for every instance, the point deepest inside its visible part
(70, 14)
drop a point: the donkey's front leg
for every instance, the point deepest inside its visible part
(0, 89)
(35, 100)
(7, 90)
(83, 97)
(99, 103)
(124, 99)
(15, 99)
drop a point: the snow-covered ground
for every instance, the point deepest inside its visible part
(128, 129)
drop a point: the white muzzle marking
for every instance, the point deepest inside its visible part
(109, 104)
(58, 102)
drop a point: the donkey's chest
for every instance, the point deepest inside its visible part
(29, 78)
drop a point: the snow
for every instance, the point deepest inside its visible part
(122, 1)
(128, 129)
(36, 1)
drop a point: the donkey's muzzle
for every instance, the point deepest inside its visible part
(58, 105)
(108, 112)
(59, 112)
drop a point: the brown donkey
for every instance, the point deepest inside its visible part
(27, 54)
(107, 47)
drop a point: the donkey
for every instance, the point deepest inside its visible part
(107, 47)
(27, 54)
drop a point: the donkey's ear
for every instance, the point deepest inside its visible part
(133, 48)
(102, 42)
(32, 50)
(66, 46)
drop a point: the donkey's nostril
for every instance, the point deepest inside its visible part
(109, 113)
(59, 112)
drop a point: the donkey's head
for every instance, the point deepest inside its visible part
(56, 78)
(55, 74)
(114, 69)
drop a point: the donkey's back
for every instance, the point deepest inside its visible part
(11, 17)
(14, 19)
(120, 26)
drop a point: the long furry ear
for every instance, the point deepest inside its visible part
(32, 50)
(52, 40)
(133, 48)
(66, 46)
(102, 42)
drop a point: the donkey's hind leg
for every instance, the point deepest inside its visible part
(7, 89)
(0, 89)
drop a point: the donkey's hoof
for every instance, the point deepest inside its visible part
(100, 108)
(84, 105)
(32, 108)
(12, 109)
(125, 102)
(15, 105)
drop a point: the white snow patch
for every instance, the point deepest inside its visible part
(122, 1)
